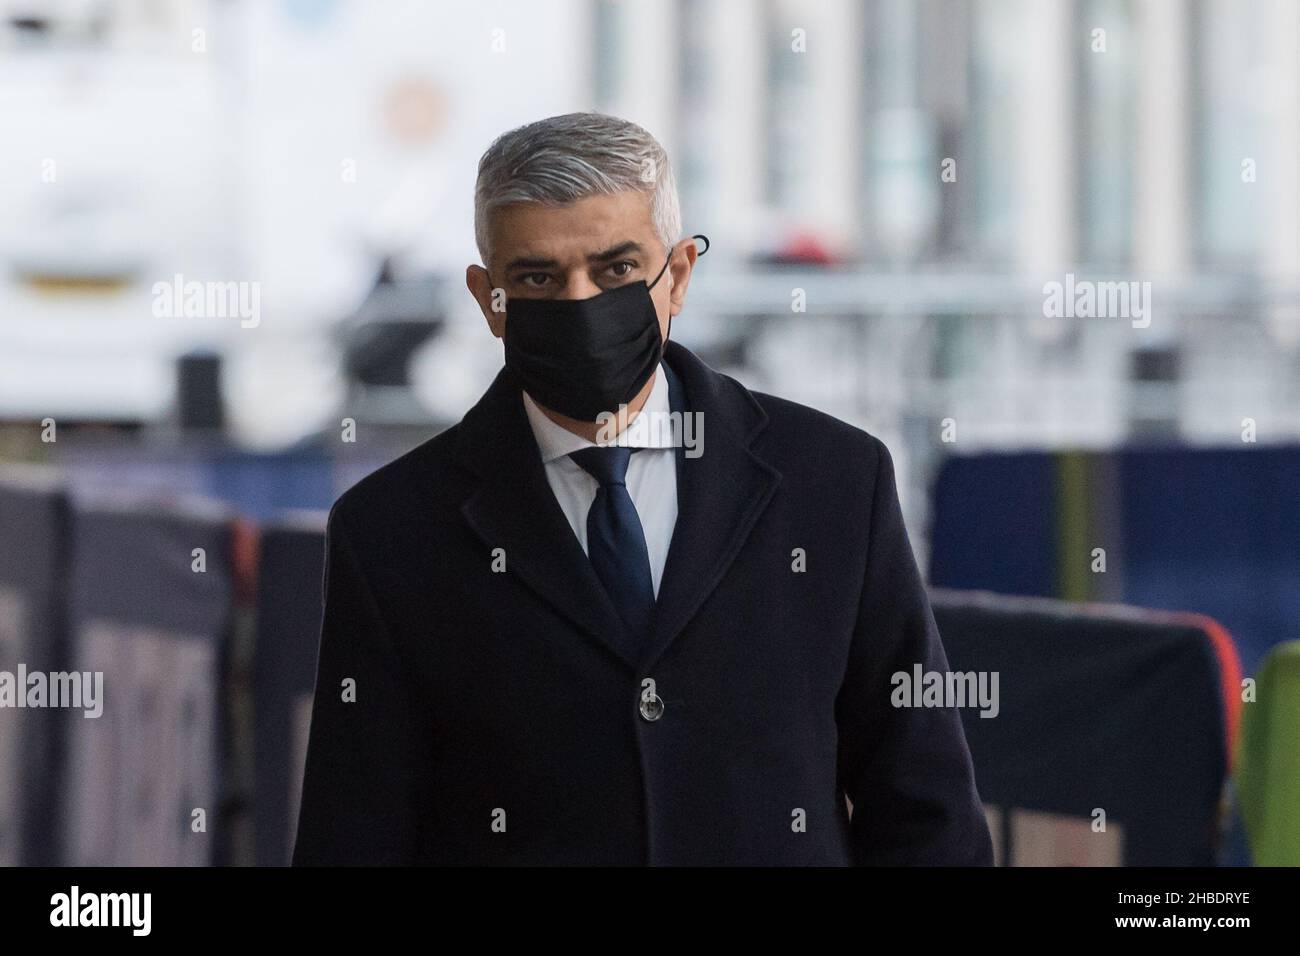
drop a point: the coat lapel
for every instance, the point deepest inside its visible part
(720, 493)
(515, 509)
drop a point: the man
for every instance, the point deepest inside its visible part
(540, 647)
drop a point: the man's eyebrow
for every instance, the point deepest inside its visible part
(614, 252)
(526, 263)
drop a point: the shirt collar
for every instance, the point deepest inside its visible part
(556, 441)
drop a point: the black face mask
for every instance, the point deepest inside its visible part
(582, 357)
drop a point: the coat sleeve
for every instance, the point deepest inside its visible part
(364, 755)
(906, 770)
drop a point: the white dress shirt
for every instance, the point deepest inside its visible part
(651, 474)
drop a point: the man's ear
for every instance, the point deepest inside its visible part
(492, 302)
(680, 267)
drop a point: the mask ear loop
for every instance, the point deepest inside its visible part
(661, 272)
(698, 235)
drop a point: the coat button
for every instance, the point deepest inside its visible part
(652, 708)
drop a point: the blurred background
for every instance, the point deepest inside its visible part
(889, 187)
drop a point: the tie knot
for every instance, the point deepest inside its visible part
(606, 463)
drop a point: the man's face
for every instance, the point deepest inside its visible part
(578, 251)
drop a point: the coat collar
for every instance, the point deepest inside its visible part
(720, 495)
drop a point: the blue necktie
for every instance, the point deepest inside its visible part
(615, 540)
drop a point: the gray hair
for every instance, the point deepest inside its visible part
(561, 159)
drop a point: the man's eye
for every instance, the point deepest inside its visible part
(621, 270)
(533, 279)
